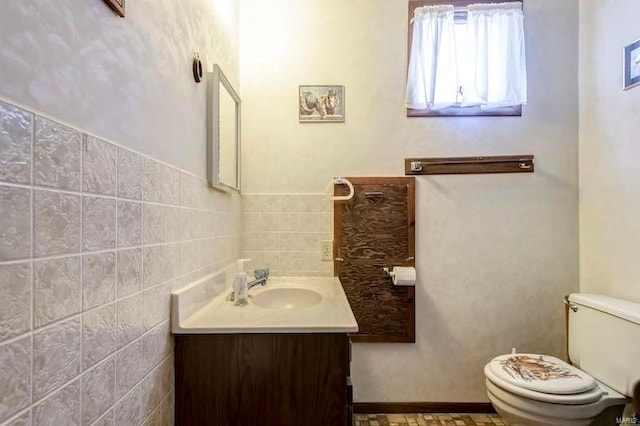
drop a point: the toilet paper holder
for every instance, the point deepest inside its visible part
(387, 271)
(401, 276)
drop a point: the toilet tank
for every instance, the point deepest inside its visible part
(604, 339)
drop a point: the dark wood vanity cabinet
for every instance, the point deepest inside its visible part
(262, 380)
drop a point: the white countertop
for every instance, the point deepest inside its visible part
(221, 316)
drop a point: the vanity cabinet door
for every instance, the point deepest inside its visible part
(262, 379)
(349, 402)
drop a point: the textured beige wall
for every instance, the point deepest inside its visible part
(128, 80)
(609, 152)
(495, 253)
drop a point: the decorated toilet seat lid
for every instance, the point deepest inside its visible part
(541, 373)
(588, 397)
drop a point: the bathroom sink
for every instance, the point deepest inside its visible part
(286, 298)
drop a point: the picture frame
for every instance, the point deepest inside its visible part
(321, 104)
(631, 65)
(118, 6)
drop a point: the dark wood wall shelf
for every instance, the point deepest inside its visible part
(469, 165)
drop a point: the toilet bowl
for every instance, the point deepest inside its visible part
(541, 390)
(522, 405)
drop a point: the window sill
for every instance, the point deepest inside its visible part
(512, 111)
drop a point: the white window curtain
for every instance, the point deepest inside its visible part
(433, 73)
(496, 74)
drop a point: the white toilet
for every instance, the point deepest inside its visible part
(604, 348)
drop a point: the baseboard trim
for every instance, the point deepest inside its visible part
(422, 407)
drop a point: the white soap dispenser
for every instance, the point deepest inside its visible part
(240, 284)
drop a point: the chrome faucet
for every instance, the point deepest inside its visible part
(261, 276)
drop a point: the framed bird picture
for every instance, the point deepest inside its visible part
(321, 104)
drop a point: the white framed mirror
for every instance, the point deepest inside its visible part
(223, 132)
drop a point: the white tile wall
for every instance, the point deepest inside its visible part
(15, 222)
(93, 237)
(283, 232)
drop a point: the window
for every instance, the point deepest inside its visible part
(465, 59)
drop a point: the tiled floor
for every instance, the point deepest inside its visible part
(428, 420)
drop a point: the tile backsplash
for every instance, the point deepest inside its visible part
(283, 232)
(93, 237)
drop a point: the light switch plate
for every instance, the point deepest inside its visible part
(326, 248)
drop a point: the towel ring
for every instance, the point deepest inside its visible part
(341, 181)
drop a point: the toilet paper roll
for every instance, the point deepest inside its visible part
(404, 275)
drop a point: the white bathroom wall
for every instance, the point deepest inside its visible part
(104, 209)
(609, 152)
(495, 253)
(128, 80)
